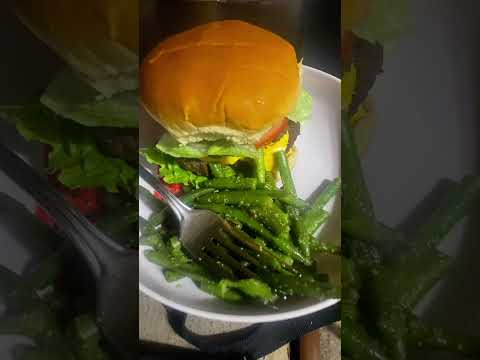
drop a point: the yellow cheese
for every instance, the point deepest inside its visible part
(271, 149)
(229, 160)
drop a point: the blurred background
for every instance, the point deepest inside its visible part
(312, 26)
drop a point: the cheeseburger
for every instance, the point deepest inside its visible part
(227, 92)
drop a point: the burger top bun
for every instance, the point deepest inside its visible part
(225, 79)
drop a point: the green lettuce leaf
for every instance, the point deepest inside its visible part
(385, 20)
(303, 109)
(227, 148)
(170, 171)
(74, 155)
(172, 147)
(73, 98)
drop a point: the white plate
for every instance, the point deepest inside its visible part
(318, 159)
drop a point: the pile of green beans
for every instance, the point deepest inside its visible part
(34, 302)
(267, 251)
(384, 276)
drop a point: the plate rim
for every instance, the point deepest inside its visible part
(287, 315)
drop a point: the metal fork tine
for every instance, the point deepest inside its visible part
(220, 252)
(217, 269)
(227, 241)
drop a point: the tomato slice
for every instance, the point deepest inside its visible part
(87, 200)
(273, 133)
(175, 189)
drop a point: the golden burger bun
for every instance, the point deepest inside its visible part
(225, 79)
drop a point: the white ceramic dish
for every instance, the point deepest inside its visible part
(318, 159)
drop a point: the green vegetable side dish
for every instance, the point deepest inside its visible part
(385, 276)
(260, 236)
(61, 325)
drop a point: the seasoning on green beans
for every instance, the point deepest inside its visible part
(232, 183)
(285, 173)
(239, 198)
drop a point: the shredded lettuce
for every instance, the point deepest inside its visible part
(73, 98)
(170, 171)
(172, 147)
(303, 108)
(74, 156)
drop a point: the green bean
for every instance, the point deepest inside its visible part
(241, 216)
(231, 183)
(221, 253)
(313, 219)
(285, 173)
(322, 247)
(273, 217)
(253, 288)
(260, 166)
(326, 194)
(220, 292)
(285, 244)
(239, 198)
(284, 259)
(227, 241)
(421, 335)
(267, 262)
(394, 283)
(349, 308)
(270, 182)
(285, 197)
(294, 220)
(399, 286)
(455, 207)
(350, 276)
(282, 242)
(221, 171)
(358, 344)
(216, 268)
(392, 328)
(193, 271)
(308, 225)
(299, 285)
(258, 246)
(356, 202)
(192, 196)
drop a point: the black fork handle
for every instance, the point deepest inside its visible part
(98, 250)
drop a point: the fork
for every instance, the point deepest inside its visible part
(198, 228)
(115, 268)
(208, 237)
